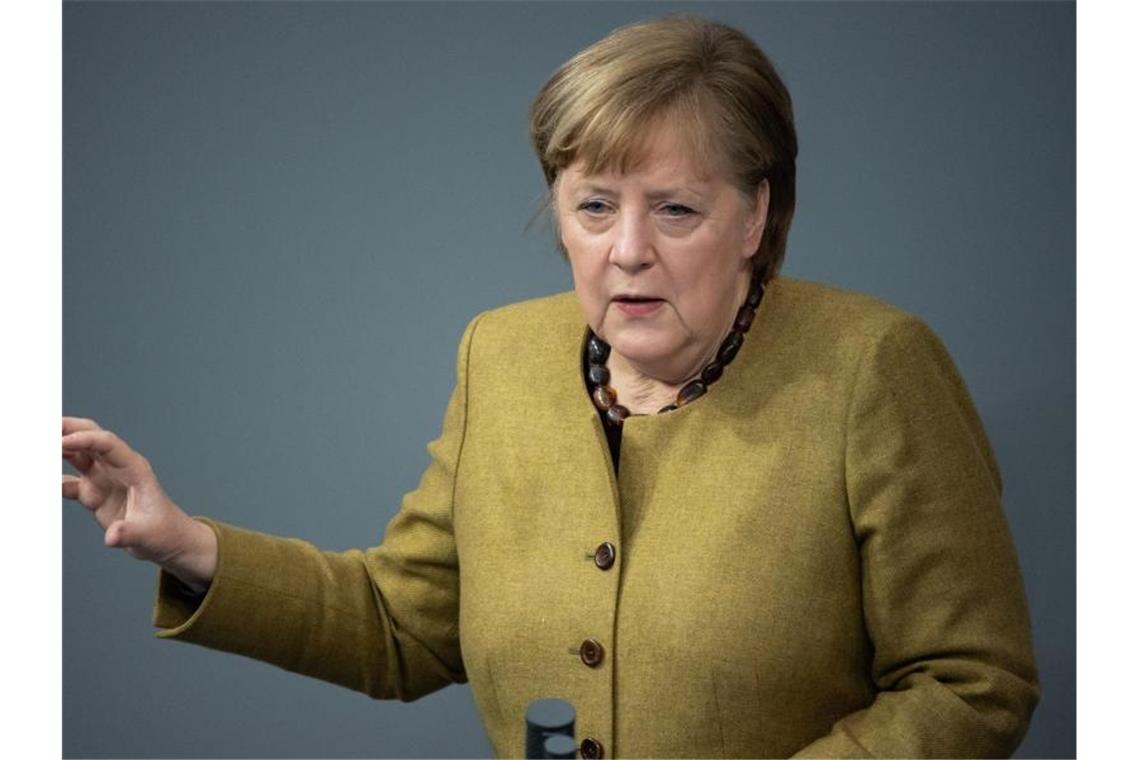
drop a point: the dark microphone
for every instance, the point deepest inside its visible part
(550, 729)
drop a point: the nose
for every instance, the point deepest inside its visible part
(632, 247)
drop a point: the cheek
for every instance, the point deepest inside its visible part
(591, 291)
(576, 246)
(588, 272)
(693, 300)
(703, 280)
(585, 252)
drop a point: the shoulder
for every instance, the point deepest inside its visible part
(548, 320)
(556, 309)
(830, 320)
(819, 305)
(527, 336)
(876, 346)
(812, 326)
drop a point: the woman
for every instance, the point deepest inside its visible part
(721, 511)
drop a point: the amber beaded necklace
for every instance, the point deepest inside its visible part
(598, 351)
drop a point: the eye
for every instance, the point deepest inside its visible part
(594, 207)
(676, 210)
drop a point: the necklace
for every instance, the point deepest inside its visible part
(598, 351)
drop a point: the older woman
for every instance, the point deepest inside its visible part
(721, 511)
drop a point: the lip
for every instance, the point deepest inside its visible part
(638, 308)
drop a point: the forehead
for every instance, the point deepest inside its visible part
(667, 153)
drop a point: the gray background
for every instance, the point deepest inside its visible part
(279, 217)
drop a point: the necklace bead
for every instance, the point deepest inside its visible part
(755, 295)
(604, 397)
(691, 392)
(616, 414)
(712, 372)
(744, 318)
(599, 374)
(597, 349)
(730, 346)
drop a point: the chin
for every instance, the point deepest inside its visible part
(644, 347)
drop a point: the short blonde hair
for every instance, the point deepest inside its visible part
(705, 76)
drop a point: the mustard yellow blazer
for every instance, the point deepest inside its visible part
(811, 559)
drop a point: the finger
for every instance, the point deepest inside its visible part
(80, 461)
(102, 444)
(71, 487)
(72, 424)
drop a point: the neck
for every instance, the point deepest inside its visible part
(638, 391)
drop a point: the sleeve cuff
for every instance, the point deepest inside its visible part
(176, 606)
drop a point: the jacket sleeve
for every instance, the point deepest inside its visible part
(943, 601)
(383, 621)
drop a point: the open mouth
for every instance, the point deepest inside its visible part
(637, 306)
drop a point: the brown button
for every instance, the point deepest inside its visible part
(604, 556)
(592, 748)
(591, 652)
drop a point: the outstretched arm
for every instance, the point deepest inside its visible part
(383, 621)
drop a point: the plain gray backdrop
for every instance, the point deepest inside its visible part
(278, 218)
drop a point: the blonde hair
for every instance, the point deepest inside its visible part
(707, 77)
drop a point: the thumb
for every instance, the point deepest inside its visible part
(120, 534)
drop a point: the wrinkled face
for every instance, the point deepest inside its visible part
(659, 255)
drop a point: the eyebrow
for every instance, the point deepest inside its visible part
(653, 195)
(669, 192)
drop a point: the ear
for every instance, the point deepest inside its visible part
(756, 219)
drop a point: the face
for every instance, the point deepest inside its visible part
(660, 256)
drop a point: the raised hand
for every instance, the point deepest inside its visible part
(117, 485)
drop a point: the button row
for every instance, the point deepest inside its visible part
(592, 652)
